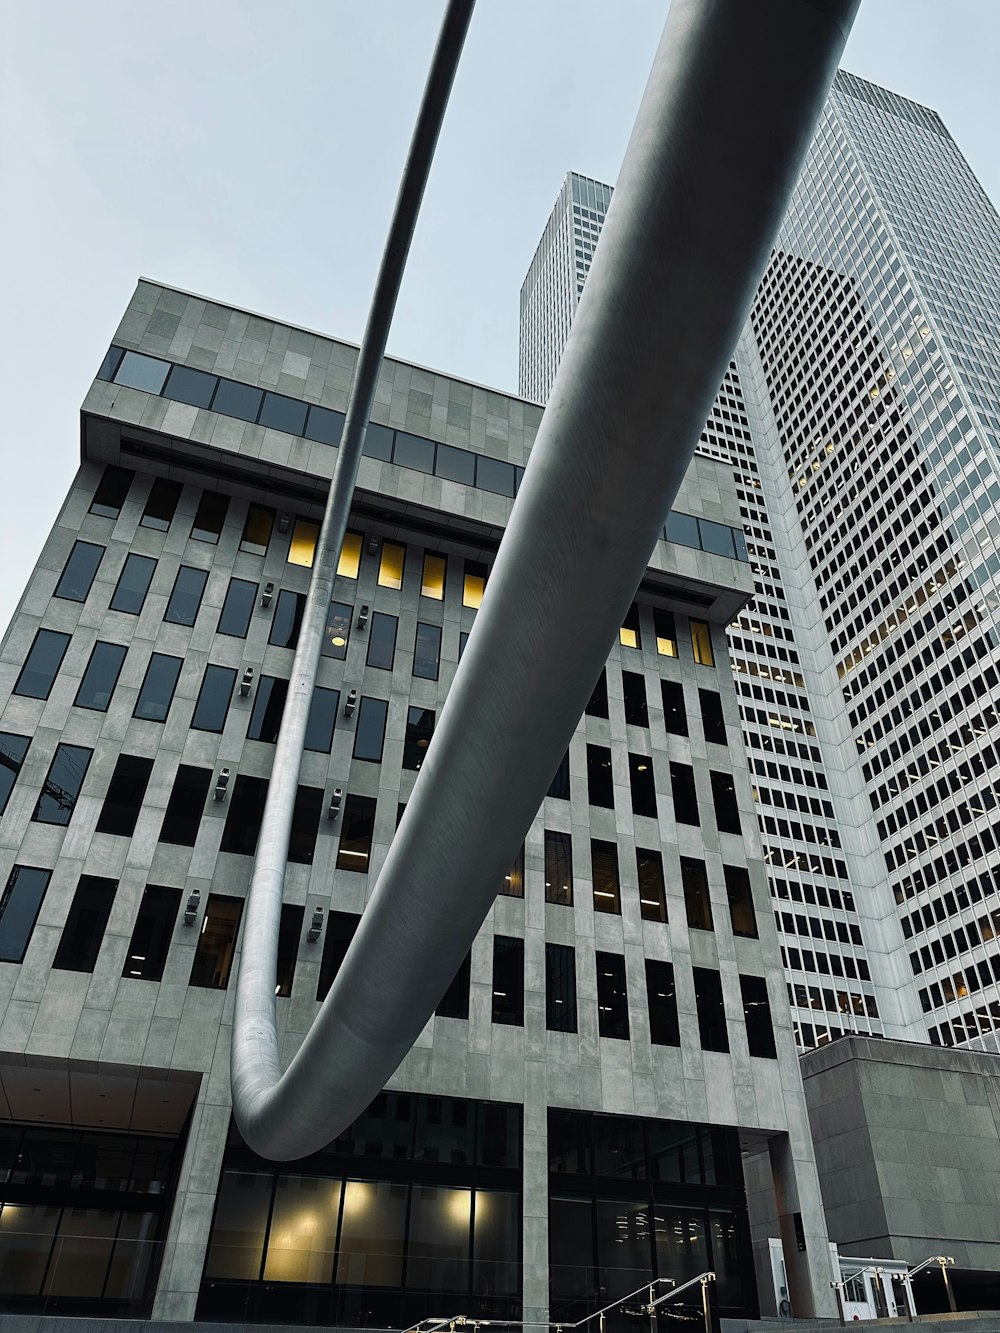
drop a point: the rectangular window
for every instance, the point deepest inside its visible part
(19, 905)
(289, 934)
(473, 583)
(508, 980)
(640, 773)
(154, 927)
(757, 1015)
(213, 958)
(455, 464)
(324, 425)
(112, 491)
(597, 705)
(101, 677)
(338, 630)
(665, 630)
(246, 809)
(727, 811)
(322, 719)
(357, 827)
(369, 738)
(674, 711)
(513, 881)
(193, 387)
(158, 687)
(287, 619)
(711, 717)
(455, 1000)
(634, 690)
(133, 584)
(279, 412)
(432, 576)
(629, 636)
(419, 730)
(607, 886)
(42, 664)
(234, 619)
(126, 792)
(684, 793)
(559, 786)
(142, 372)
(340, 930)
(558, 868)
(268, 706)
(210, 518)
(305, 825)
(652, 894)
(234, 399)
(182, 818)
(427, 651)
(382, 641)
(349, 561)
(701, 643)
(84, 930)
(600, 784)
(612, 996)
(697, 902)
(257, 530)
(61, 789)
(494, 475)
(302, 547)
(741, 912)
(661, 998)
(413, 451)
(390, 566)
(213, 699)
(185, 599)
(560, 988)
(711, 1009)
(12, 751)
(161, 504)
(79, 572)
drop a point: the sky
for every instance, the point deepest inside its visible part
(251, 151)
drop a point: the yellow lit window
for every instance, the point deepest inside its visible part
(302, 548)
(475, 583)
(432, 579)
(666, 633)
(350, 555)
(666, 647)
(390, 569)
(628, 635)
(701, 643)
(257, 530)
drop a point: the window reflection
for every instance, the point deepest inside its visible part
(338, 630)
(390, 569)
(303, 1231)
(371, 1238)
(302, 547)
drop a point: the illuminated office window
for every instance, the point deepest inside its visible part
(474, 583)
(350, 556)
(701, 643)
(390, 567)
(628, 635)
(302, 547)
(433, 576)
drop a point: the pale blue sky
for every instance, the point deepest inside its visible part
(251, 151)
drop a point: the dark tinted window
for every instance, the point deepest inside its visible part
(560, 988)
(213, 698)
(338, 630)
(727, 812)
(600, 784)
(455, 1001)
(213, 959)
(492, 475)
(289, 934)
(508, 980)
(716, 537)
(79, 571)
(357, 825)
(210, 518)
(305, 825)
(757, 1013)
(378, 442)
(287, 619)
(661, 997)
(711, 1010)
(419, 730)
(110, 363)
(186, 806)
(597, 705)
(612, 996)
(674, 710)
(158, 688)
(42, 664)
(322, 719)
(456, 464)
(340, 929)
(185, 599)
(370, 734)
(413, 451)
(150, 942)
(61, 789)
(685, 796)
(246, 809)
(126, 792)
(382, 641)
(12, 751)
(112, 491)
(604, 868)
(85, 925)
(281, 413)
(634, 690)
(559, 786)
(193, 387)
(237, 608)
(741, 913)
(324, 425)
(257, 530)
(665, 630)
(142, 372)
(101, 676)
(697, 903)
(558, 868)
(513, 881)
(683, 529)
(237, 400)
(640, 774)
(711, 716)
(161, 505)
(652, 894)
(19, 904)
(427, 651)
(133, 584)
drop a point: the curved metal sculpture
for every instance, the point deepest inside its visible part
(725, 121)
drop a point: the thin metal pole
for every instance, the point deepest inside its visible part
(948, 1288)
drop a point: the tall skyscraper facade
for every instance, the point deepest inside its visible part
(860, 415)
(572, 1121)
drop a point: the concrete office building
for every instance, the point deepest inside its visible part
(861, 417)
(572, 1120)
